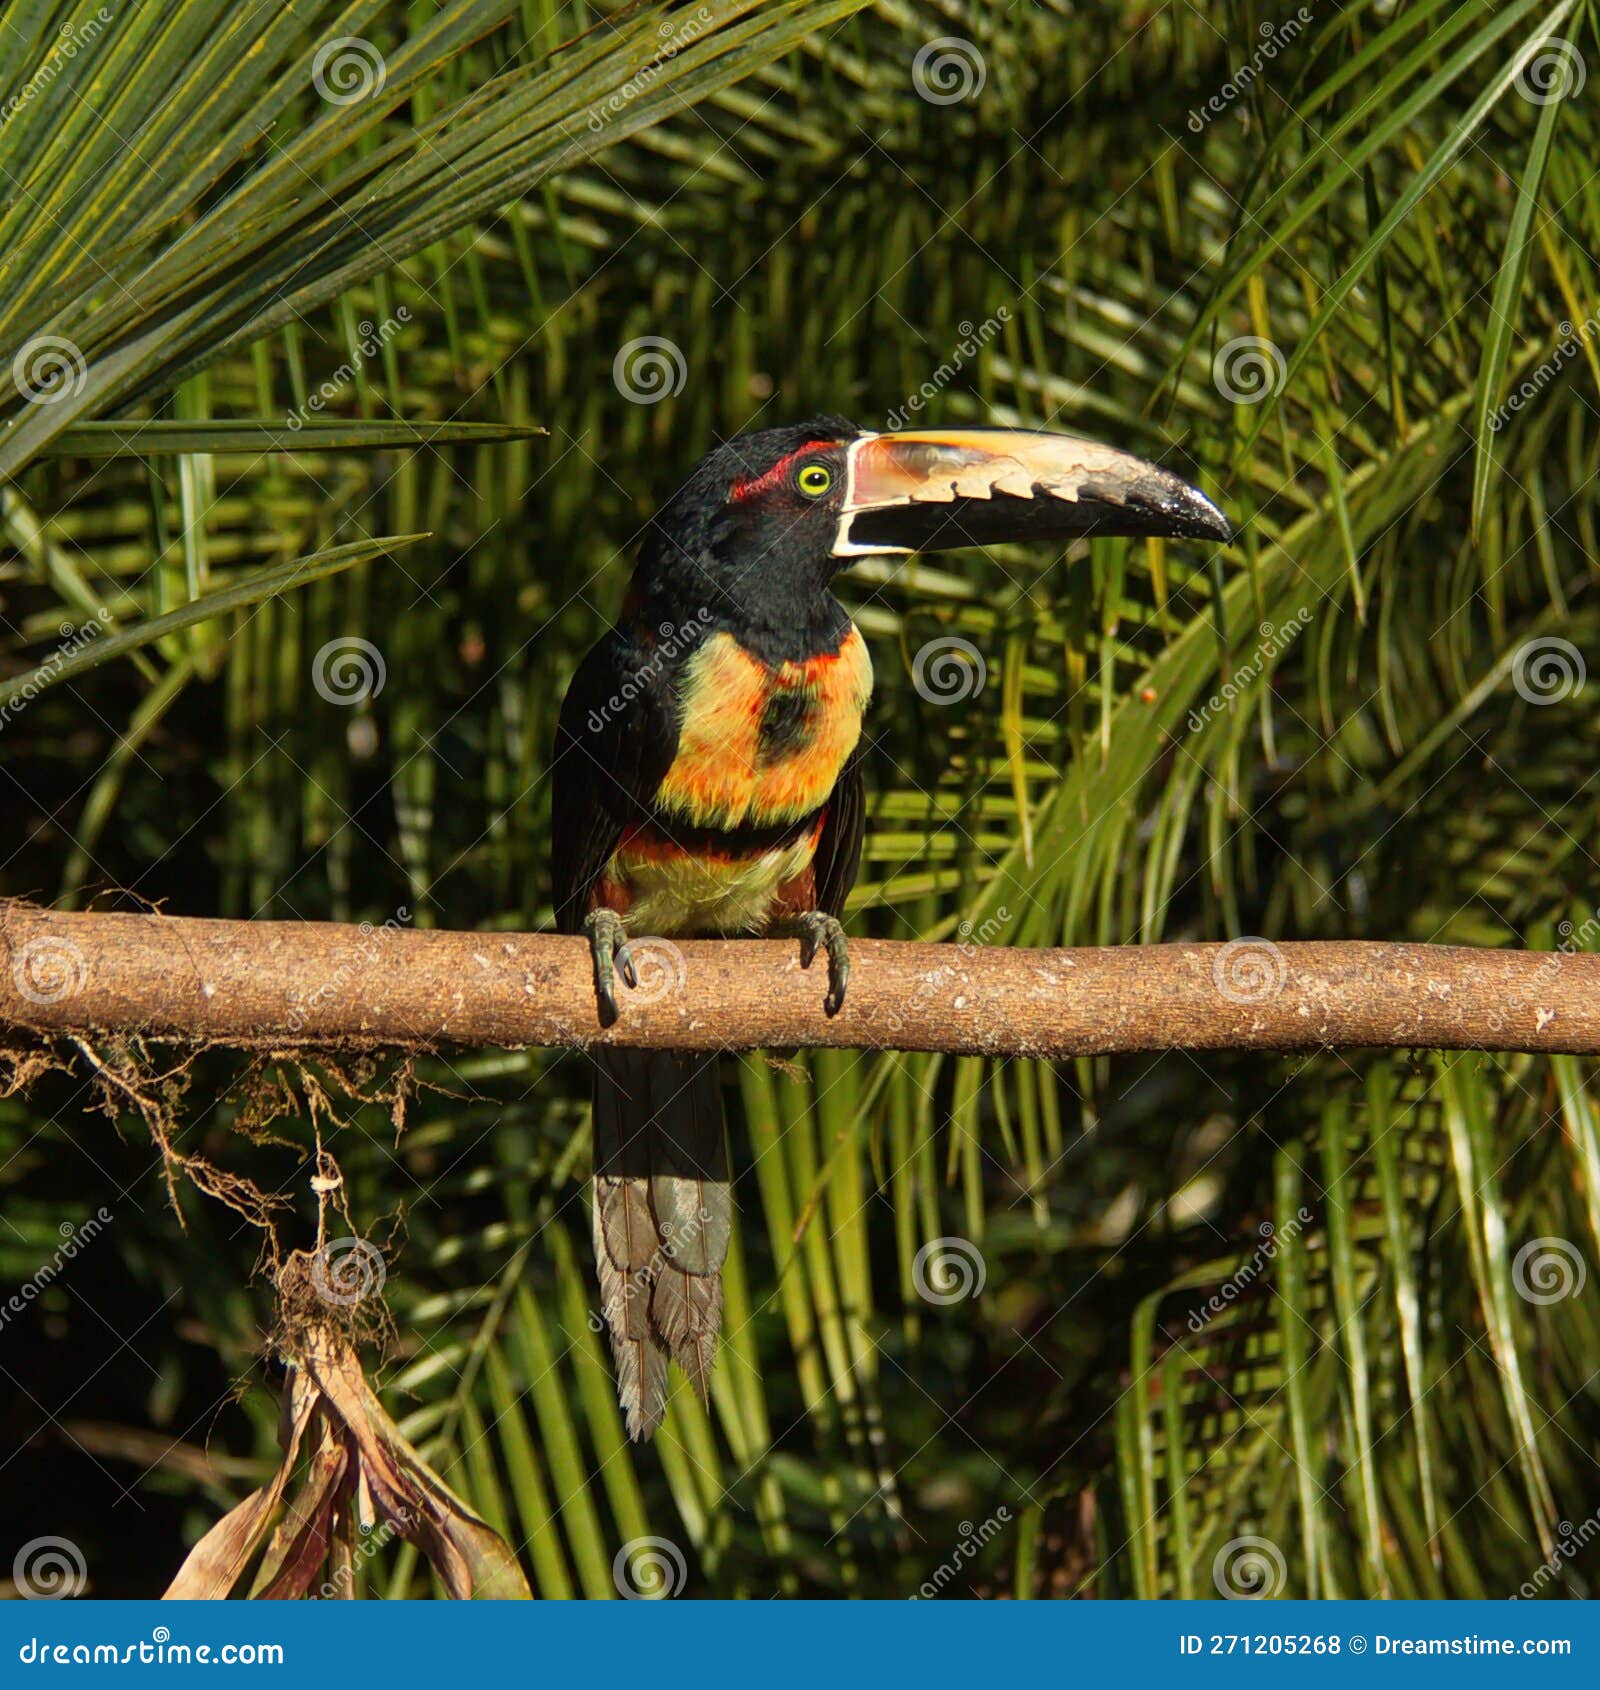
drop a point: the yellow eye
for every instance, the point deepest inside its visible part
(815, 480)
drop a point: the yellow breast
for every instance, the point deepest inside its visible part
(761, 744)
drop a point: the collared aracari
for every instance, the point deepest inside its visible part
(707, 781)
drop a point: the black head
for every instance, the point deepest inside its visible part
(753, 528)
(765, 521)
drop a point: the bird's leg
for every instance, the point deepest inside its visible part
(608, 946)
(818, 929)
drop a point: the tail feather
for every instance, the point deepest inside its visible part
(686, 1310)
(663, 1214)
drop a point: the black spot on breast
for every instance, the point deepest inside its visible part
(786, 725)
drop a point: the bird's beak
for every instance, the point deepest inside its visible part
(932, 490)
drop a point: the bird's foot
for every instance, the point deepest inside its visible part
(608, 946)
(818, 930)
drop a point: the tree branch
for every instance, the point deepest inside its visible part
(311, 985)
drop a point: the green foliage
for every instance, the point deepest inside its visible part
(1360, 298)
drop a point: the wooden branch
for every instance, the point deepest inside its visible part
(318, 985)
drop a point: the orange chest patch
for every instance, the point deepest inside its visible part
(760, 743)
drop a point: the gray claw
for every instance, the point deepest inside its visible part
(608, 946)
(818, 929)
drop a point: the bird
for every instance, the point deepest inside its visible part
(707, 781)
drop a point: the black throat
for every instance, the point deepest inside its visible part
(776, 616)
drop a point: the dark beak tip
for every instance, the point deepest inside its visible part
(1213, 525)
(1186, 513)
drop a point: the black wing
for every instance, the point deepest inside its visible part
(839, 849)
(615, 740)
